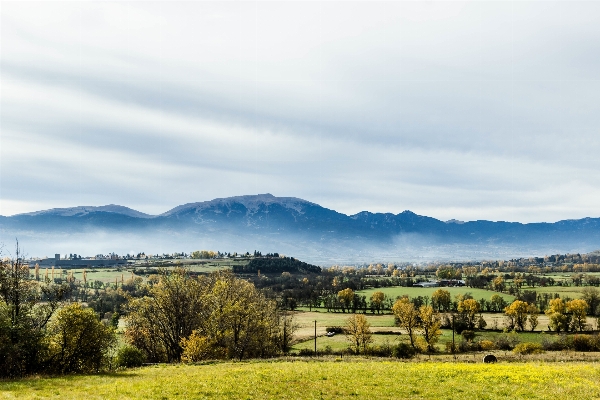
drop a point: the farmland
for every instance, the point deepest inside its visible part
(411, 292)
(329, 379)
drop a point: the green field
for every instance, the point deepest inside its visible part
(339, 341)
(356, 378)
(396, 291)
(573, 292)
(108, 275)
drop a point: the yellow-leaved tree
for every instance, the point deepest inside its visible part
(407, 317)
(429, 326)
(358, 333)
(578, 309)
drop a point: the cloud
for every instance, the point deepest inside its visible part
(476, 110)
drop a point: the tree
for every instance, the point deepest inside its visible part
(345, 297)
(446, 272)
(441, 300)
(498, 284)
(497, 303)
(430, 324)
(358, 332)
(156, 323)
(532, 318)
(578, 309)
(469, 308)
(516, 314)
(235, 319)
(407, 317)
(377, 299)
(78, 341)
(591, 295)
(556, 312)
(288, 327)
(26, 306)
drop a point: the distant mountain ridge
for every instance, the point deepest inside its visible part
(293, 226)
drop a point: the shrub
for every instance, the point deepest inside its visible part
(466, 346)
(306, 352)
(380, 351)
(563, 342)
(487, 345)
(468, 335)
(403, 350)
(78, 341)
(528, 348)
(449, 347)
(585, 342)
(197, 348)
(506, 341)
(129, 356)
(334, 329)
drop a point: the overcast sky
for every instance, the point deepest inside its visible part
(476, 110)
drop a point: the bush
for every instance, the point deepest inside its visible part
(197, 348)
(487, 345)
(306, 352)
(403, 350)
(563, 342)
(466, 346)
(129, 357)
(468, 335)
(78, 341)
(586, 343)
(380, 351)
(449, 347)
(506, 341)
(528, 348)
(334, 329)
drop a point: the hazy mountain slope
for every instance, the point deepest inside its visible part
(289, 225)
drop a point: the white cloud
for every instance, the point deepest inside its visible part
(474, 110)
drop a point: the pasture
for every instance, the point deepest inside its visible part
(325, 379)
(411, 292)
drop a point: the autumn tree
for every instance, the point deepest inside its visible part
(469, 309)
(532, 316)
(377, 299)
(557, 313)
(498, 284)
(219, 310)
(516, 314)
(578, 310)
(346, 297)
(441, 300)
(358, 332)
(157, 323)
(430, 323)
(407, 317)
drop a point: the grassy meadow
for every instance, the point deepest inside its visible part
(330, 379)
(411, 292)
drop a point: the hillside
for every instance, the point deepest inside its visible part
(292, 226)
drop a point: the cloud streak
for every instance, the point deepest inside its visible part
(476, 110)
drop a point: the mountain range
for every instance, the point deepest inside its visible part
(293, 227)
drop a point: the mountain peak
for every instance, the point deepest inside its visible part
(251, 202)
(80, 211)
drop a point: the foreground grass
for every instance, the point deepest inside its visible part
(324, 379)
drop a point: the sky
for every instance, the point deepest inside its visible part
(455, 110)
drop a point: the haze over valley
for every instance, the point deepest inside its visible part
(291, 226)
